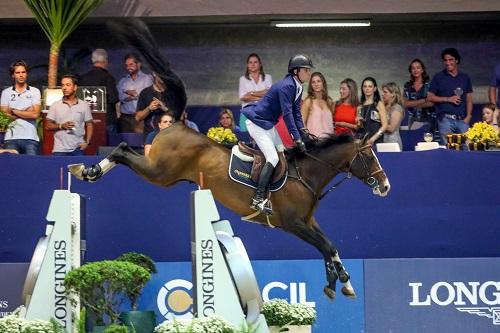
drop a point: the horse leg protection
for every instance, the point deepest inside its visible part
(93, 173)
(343, 275)
(331, 275)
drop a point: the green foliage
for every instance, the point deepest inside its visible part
(102, 284)
(212, 324)
(81, 320)
(139, 259)
(14, 324)
(59, 19)
(143, 261)
(5, 121)
(116, 329)
(278, 312)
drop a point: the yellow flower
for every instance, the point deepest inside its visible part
(481, 132)
(222, 135)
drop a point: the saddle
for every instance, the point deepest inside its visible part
(259, 160)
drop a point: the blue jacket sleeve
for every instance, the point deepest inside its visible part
(286, 97)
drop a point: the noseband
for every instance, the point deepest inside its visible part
(369, 178)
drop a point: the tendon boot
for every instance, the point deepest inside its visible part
(259, 200)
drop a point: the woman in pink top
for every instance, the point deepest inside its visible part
(317, 107)
(345, 112)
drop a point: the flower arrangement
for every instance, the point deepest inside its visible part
(212, 324)
(222, 135)
(482, 132)
(14, 324)
(278, 312)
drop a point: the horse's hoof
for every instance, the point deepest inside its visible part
(329, 293)
(77, 170)
(349, 292)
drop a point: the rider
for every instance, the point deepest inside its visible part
(283, 98)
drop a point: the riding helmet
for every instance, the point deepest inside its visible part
(299, 61)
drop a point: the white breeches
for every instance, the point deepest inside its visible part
(267, 140)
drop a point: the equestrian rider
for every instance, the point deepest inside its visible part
(283, 98)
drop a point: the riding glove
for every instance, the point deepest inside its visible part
(301, 145)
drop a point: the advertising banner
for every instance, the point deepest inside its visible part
(11, 286)
(169, 292)
(432, 295)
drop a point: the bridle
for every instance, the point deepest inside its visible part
(359, 157)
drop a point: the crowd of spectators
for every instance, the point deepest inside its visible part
(441, 104)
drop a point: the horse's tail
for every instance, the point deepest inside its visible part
(134, 32)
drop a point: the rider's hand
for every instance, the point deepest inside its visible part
(301, 145)
(307, 136)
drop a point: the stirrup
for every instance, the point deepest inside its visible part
(264, 206)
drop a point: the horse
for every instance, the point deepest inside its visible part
(180, 154)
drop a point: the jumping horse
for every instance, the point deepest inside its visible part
(179, 153)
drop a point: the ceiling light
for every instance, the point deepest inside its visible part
(320, 24)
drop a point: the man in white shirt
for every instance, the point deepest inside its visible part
(21, 103)
(129, 88)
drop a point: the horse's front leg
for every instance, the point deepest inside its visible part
(96, 171)
(343, 276)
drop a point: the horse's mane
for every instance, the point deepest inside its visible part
(135, 33)
(315, 146)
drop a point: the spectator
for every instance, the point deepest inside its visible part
(491, 115)
(71, 120)
(253, 85)
(345, 112)
(187, 122)
(391, 94)
(420, 110)
(99, 76)
(129, 88)
(21, 102)
(226, 120)
(151, 105)
(166, 120)
(451, 93)
(494, 90)
(317, 107)
(372, 120)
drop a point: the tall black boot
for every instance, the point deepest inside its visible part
(259, 200)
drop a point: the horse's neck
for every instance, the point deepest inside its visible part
(337, 157)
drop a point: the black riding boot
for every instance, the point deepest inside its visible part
(259, 200)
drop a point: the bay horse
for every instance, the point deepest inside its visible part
(178, 153)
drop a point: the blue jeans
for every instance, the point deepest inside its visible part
(451, 126)
(76, 152)
(23, 146)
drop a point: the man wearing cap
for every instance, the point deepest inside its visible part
(283, 98)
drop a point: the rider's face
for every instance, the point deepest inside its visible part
(304, 74)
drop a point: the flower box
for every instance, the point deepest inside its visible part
(291, 329)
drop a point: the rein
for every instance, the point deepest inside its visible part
(370, 179)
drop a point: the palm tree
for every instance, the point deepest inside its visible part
(58, 19)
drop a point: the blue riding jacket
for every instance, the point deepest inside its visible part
(280, 99)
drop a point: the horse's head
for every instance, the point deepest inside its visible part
(365, 166)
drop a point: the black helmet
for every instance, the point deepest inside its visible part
(299, 61)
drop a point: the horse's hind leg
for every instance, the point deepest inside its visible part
(121, 154)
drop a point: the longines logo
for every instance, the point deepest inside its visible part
(481, 299)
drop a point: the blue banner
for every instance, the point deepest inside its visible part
(432, 295)
(11, 286)
(169, 292)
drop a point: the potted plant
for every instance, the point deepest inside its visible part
(480, 135)
(212, 324)
(140, 321)
(14, 324)
(102, 286)
(282, 316)
(5, 123)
